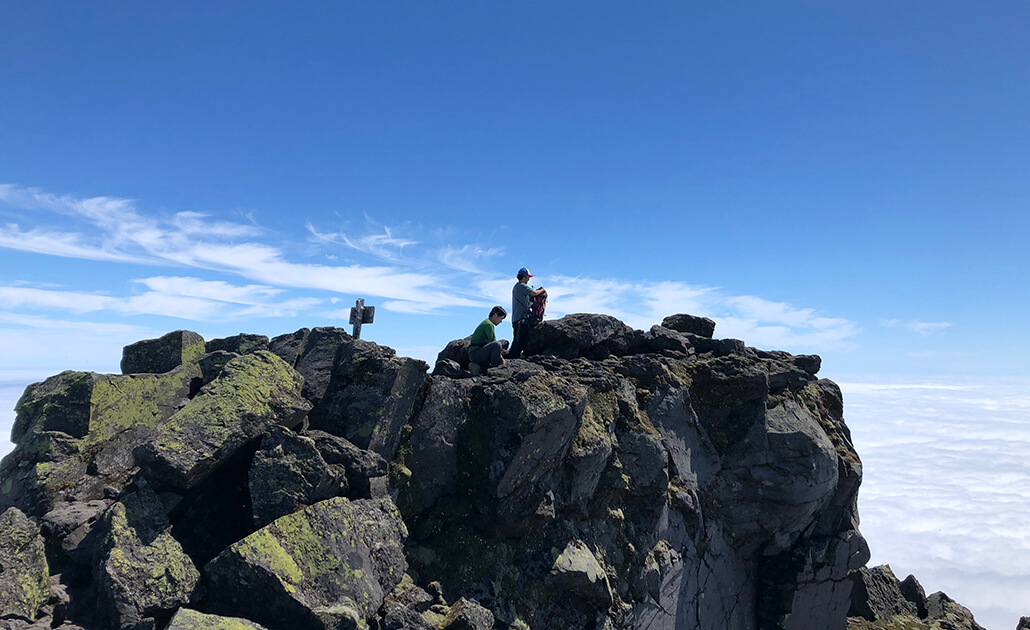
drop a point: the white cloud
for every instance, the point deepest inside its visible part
(916, 326)
(946, 488)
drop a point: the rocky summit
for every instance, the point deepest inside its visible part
(615, 478)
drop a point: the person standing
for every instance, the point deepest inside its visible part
(520, 312)
(484, 349)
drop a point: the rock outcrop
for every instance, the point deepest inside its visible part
(880, 602)
(615, 478)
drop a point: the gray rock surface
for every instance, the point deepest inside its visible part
(24, 573)
(336, 552)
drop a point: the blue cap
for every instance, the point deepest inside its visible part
(524, 272)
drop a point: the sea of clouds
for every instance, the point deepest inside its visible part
(946, 488)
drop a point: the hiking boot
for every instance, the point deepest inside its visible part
(474, 369)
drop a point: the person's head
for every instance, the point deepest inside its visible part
(497, 314)
(523, 275)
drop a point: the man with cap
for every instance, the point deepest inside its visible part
(520, 313)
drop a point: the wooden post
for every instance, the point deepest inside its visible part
(361, 314)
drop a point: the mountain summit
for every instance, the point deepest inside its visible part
(616, 478)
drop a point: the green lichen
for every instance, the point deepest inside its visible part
(263, 548)
(121, 402)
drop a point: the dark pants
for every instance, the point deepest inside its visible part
(487, 356)
(520, 337)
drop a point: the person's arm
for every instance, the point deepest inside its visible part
(536, 292)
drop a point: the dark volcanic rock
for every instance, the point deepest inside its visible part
(289, 473)
(252, 392)
(242, 343)
(186, 619)
(700, 326)
(876, 595)
(24, 586)
(370, 397)
(311, 564)
(141, 571)
(163, 354)
(616, 478)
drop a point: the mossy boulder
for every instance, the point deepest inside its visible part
(334, 553)
(577, 572)
(252, 392)
(24, 584)
(140, 570)
(162, 354)
(288, 473)
(75, 433)
(242, 343)
(187, 619)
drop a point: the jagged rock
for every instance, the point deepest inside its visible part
(334, 553)
(913, 591)
(876, 595)
(702, 484)
(700, 326)
(252, 392)
(242, 343)
(71, 524)
(1024, 623)
(944, 613)
(577, 335)
(163, 354)
(316, 358)
(79, 417)
(289, 346)
(467, 614)
(577, 571)
(140, 570)
(186, 619)
(24, 583)
(456, 351)
(359, 467)
(370, 397)
(289, 473)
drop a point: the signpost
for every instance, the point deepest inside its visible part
(361, 314)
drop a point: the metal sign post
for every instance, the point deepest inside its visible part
(361, 314)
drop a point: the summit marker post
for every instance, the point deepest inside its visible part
(361, 314)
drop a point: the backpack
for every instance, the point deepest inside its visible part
(537, 304)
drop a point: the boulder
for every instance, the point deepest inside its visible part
(945, 613)
(288, 473)
(913, 591)
(371, 396)
(577, 572)
(186, 619)
(289, 346)
(252, 392)
(578, 334)
(24, 573)
(316, 358)
(356, 466)
(1024, 623)
(242, 343)
(468, 614)
(876, 595)
(334, 553)
(140, 570)
(456, 351)
(700, 326)
(76, 433)
(163, 354)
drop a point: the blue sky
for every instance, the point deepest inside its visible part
(848, 180)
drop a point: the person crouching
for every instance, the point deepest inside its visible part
(484, 348)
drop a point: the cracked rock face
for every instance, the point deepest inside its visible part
(614, 479)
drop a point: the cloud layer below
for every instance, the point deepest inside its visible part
(946, 488)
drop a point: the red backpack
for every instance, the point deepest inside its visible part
(537, 304)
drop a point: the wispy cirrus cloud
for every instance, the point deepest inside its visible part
(409, 272)
(916, 326)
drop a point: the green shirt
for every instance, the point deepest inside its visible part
(483, 335)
